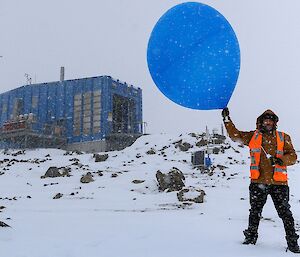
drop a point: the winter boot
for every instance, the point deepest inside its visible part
(250, 237)
(293, 244)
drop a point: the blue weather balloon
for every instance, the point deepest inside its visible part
(194, 57)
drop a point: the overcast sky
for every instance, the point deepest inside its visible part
(109, 37)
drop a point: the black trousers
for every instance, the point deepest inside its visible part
(280, 197)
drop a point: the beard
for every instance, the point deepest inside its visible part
(266, 129)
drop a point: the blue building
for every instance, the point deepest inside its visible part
(91, 114)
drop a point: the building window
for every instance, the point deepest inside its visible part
(77, 114)
(4, 108)
(34, 102)
(18, 107)
(96, 112)
(87, 111)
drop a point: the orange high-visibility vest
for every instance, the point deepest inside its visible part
(280, 172)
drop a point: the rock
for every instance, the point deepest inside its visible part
(100, 157)
(202, 142)
(193, 134)
(65, 172)
(183, 146)
(137, 181)
(18, 153)
(87, 178)
(164, 148)
(216, 150)
(221, 167)
(74, 160)
(173, 180)
(100, 173)
(2, 224)
(52, 172)
(114, 175)
(57, 196)
(151, 151)
(191, 195)
(73, 152)
(80, 165)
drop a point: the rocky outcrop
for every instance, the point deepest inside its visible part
(137, 181)
(100, 157)
(54, 172)
(172, 181)
(151, 151)
(202, 142)
(183, 146)
(58, 195)
(2, 224)
(191, 195)
(87, 178)
(216, 150)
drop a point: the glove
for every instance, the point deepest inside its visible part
(225, 114)
(275, 160)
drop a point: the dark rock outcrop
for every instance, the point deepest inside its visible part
(58, 195)
(52, 172)
(87, 178)
(172, 181)
(151, 151)
(100, 157)
(137, 181)
(191, 195)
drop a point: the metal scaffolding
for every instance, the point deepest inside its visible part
(21, 134)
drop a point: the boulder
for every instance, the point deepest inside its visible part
(65, 172)
(202, 142)
(172, 181)
(73, 152)
(57, 196)
(183, 146)
(87, 178)
(191, 195)
(216, 150)
(193, 134)
(2, 224)
(52, 172)
(151, 151)
(100, 157)
(222, 167)
(137, 181)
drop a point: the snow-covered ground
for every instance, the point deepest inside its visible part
(114, 217)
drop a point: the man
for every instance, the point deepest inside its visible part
(271, 152)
